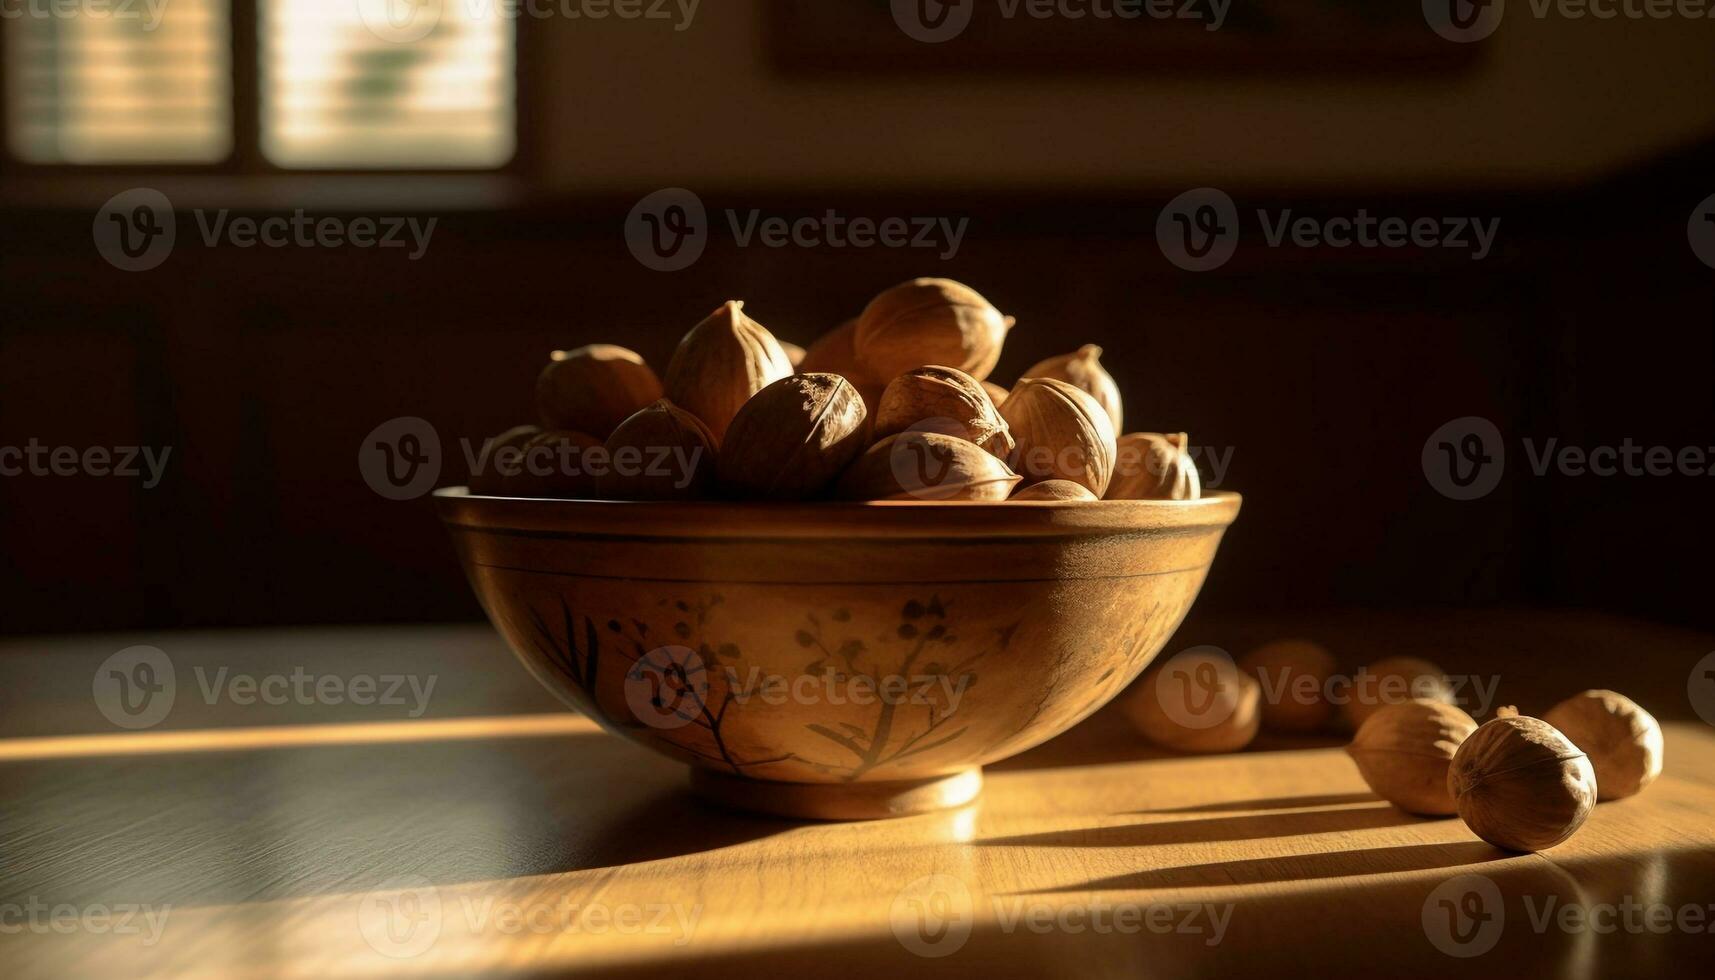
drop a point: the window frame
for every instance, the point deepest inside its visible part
(246, 158)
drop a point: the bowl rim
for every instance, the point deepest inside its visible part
(753, 520)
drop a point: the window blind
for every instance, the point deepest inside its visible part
(387, 83)
(134, 82)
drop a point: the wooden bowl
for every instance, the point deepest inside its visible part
(836, 660)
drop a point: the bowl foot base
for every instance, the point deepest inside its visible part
(838, 801)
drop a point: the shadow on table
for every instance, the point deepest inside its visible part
(1106, 738)
(1207, 921)
(1257, 827)
(1271, 803)
(1299, 867)
(675, 824)
(266, 824)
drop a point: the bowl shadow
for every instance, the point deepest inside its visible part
(1321, 866)
(1213, 829)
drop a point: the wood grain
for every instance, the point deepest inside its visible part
(529, 843)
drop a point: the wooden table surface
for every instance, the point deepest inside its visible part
(484, 831)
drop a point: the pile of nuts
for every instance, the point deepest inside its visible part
(894, 405)
(1524, 784)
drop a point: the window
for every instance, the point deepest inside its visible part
(355, 84)
(119, 89)
(349, 83)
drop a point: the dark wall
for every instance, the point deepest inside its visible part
(1324, 370)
